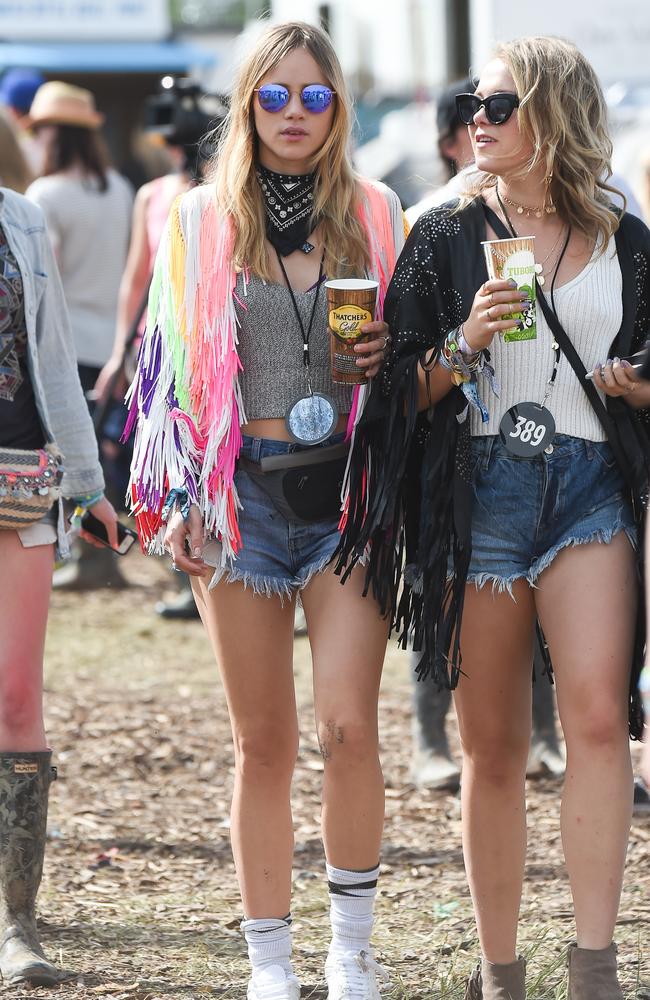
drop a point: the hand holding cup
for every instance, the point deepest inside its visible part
(350, 314)
(494, 300)
(372, 353)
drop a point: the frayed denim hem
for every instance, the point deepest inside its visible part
(602, 535)
(265, 586)
(501, 585)
(312, 571)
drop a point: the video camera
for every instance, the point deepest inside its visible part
(183, 114)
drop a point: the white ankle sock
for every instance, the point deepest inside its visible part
(352, 900)
(269, 942)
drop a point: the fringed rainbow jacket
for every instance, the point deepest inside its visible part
(185, 401)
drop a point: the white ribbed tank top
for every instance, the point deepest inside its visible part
(590, 308)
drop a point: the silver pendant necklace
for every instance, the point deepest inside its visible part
(313, 416)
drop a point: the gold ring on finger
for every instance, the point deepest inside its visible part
(489, 314)
(491, 298)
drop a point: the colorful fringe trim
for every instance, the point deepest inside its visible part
(185, 402)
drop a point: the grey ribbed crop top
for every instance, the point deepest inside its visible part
(271, 349)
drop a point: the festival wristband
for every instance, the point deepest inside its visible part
(464, 346)
(88, 500)
(176, 499)
(456, 342)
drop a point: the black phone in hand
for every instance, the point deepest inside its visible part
(93, 526)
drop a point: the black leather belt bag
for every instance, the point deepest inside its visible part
(304, 486)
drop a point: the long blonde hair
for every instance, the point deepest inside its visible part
(14, 172)
(337, 186)
(562, 113)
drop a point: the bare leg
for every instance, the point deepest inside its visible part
(494, 712)
(587, 604)
(348, 641)
(25, 584)
(252, 639)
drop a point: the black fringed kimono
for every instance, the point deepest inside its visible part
(410, 502)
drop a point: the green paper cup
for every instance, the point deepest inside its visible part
(514, 260)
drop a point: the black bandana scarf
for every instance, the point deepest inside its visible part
(289, 202)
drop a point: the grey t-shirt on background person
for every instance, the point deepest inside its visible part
(89, 230)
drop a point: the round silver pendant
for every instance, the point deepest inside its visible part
(311, 419)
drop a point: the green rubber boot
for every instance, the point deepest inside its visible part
(24, 785)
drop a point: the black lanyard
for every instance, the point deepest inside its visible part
(305, 336)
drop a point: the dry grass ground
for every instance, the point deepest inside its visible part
(139, 894)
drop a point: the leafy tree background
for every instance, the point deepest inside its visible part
(221, 15)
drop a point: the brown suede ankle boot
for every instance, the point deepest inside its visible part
(592, 974)
(24, 784)
(497, 982)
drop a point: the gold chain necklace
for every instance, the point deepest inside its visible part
(528, 210)
(541, 269)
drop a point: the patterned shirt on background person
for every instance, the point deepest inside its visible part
(20, 426)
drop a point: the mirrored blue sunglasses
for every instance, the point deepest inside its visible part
(315, 97)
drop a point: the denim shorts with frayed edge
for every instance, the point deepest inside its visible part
(525, 511)
(277, 556)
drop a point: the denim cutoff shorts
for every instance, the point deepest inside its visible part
(277, 556)
(525, 511)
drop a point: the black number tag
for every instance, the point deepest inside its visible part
(527, 429)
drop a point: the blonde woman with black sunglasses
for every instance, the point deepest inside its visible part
(531, 498)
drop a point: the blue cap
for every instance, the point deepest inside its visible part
(18, 86)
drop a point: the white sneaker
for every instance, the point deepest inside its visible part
(273, 983)
(353, 976)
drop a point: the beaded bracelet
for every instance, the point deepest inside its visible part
(460, 364)
(457, 347)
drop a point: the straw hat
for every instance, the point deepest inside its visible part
(57, 103)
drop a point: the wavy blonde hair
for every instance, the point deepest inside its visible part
(14, 171)
(336, 191)
(563, 115)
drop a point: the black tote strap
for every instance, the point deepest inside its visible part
(575, 361)
(497, 225)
